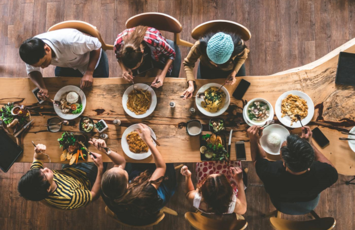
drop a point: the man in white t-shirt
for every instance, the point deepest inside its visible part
(74, 53)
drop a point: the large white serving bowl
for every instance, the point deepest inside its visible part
(125, 147)
(274, 128)
(153, 103)
(199, 100)
(352, 143)
(286, 120)
(250, 122)
(57, 97)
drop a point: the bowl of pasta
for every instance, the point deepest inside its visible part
(139, 101)
(215, 100)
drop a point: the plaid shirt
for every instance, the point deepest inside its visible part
(161, 51)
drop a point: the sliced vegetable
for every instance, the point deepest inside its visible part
(78, 109)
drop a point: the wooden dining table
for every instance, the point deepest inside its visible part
(334, 111)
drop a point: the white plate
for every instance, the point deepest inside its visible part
(65, 89)
(352, 143)
(125, 147)
(274, 128)
(286, 120)
(245, 113)
(153, 104)
(199, 100)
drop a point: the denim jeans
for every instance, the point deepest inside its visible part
(296, 208)
(205, 72)
(101, 71)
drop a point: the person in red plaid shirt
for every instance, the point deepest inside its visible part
(142, 48)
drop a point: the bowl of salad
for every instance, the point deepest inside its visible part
(216, 125)
(14, 117)
(86, 125)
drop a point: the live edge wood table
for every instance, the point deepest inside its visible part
(334, 110)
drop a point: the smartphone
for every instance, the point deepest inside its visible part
(320, 138)
(35, 92)
(240, 150)
(241, 89)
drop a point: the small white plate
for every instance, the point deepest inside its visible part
(199, 100)
(274, 128)
(153, 103)
(352, 143)
(286, 120)
(125, 147)
(65, 89)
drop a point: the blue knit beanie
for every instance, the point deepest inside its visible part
(220, 48)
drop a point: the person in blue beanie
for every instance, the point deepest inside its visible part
(222, 55)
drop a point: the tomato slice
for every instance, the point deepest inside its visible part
(73, 107)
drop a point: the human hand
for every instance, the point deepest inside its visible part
(231, 79)
(237, 173)
(158, 81)
(144, 133)
(306, 133)
(127, 74)
(188, 92)
(98, 143)
(86, 80)
(254, 133)
(97, 161)
(40, 149)
(185, 171)
(43, 94)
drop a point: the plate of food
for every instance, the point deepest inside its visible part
(213, 147)
(74, 147)
(352, 143)
(72, 102)
(133, 146)
(215, 101)
(273, 137)
(14, 117)
(258, 111)
(293, 103)
(140, 101)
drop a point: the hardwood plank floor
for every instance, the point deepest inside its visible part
(285, 34)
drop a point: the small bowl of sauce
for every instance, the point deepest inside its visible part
(15, 110)
(194, 128)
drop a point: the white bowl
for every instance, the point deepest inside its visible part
(125, 147)
(352, 143)
(286, 120)
(199, 100)
(246, 117)
(65, 89)
(152, 105)
(274, 128)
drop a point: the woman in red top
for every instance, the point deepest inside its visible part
(143, 48)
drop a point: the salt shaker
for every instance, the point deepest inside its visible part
(172, 105)
(103, 136)
(192, 111)
(116, 122)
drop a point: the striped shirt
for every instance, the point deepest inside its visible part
(73, 188)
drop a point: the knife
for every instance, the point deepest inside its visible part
(24, 127)
(229, 144)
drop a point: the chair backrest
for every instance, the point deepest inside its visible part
(221, 25)
(157, 20)
(160, 217)
(198, 221)
(326, 223)
(83, 27)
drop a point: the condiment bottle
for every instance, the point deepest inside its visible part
(172, 105)
(117, 122)
(192, 111)
(103, 136)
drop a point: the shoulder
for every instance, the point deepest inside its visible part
(324, 169)
(264, 166)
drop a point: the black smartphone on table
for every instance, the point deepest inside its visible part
(320, 138)
(241, 89)
(240, 150)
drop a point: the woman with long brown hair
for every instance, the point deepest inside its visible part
(143, 48)
(136, 192)
(215, 194)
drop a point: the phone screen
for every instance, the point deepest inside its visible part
(240, 150)
(320, 138)
(35, 92)
(241, 89)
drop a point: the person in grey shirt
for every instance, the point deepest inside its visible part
(74, 54)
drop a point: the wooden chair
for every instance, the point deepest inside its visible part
(220, 25)
(83, 27)
(159, 21)
(318, 223)
(200, 222)
(160, 217)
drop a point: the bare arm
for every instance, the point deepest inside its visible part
(114, 156)
(95, 190)
(319, 156)
(241, 207)
(37, 79)
(87, 79)
(257, 152)
(162, 75)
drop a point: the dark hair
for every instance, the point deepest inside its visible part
(32, 50)
(298, 154)
(217, 193)
(33, 185)
(239, 45)
(130, 54)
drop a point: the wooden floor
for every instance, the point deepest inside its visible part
(285, 34)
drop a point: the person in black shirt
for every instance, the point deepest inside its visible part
(295, 183)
